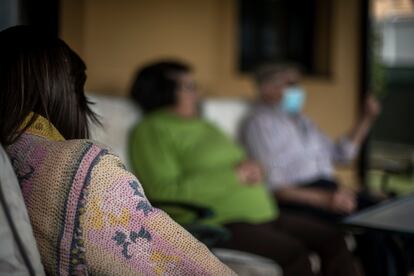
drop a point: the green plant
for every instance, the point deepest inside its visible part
(377, 69)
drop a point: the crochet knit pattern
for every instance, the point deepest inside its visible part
(90, 215)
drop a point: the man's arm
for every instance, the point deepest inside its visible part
(341, 201)
(363, 126)
(308, 196)
(345, 150)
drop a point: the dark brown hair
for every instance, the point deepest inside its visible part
(41, 74)
(156, 84)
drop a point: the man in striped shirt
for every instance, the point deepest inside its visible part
(297, 157)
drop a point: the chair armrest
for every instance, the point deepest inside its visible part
(208, 234)
(199, 211)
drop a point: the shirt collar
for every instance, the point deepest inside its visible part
(42, 127)
(274, 108)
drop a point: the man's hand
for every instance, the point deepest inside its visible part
(249, 172)
(343, 201)
(371, 111)
(372, 108)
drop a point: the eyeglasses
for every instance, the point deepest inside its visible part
(189, 87)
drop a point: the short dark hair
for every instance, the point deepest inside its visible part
(41, 74)
(156, 84)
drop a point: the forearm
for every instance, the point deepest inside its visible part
(191, 256)
(360, 131)
(370, 113)
(123, 234)
(308, 196)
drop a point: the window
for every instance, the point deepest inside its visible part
(285, 30)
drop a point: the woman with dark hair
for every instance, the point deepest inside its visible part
(89, 215)
(181, 158)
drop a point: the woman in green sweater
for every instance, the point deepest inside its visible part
(182, 158)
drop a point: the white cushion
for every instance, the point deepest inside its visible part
(227, 114)
(119, 114)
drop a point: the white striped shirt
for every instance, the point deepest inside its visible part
(292, 150)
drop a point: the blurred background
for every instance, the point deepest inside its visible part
(346, 48)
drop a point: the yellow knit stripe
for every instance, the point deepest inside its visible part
(42, 127)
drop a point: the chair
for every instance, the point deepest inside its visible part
(18, 252)
(209, 235)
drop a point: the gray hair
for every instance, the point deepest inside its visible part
(269, 71)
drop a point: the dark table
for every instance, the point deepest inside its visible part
(395, 215)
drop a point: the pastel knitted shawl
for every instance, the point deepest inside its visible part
(90, 215)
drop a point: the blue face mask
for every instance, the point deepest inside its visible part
(293, 99)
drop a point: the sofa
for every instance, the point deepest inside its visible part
(119, 114)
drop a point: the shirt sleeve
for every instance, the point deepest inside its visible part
(156, 161)
(342, 151)
(124, 235)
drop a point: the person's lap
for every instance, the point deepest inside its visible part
(372, 246)
(289, 241)
(264, 240)
(363, 198)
